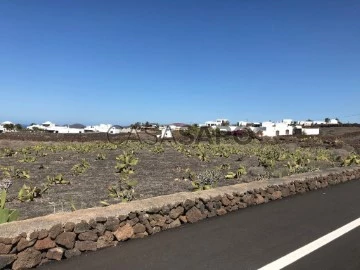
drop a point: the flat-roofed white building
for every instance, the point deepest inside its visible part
(212, 124)
(65, 130)
(242, 123)
(102, 128)
(166, 132)
(334, 122)
(44, 126)
(216, 123)
(271, 129)
(320, 123)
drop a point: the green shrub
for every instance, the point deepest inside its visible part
(240, 172)
(206, 180)
(57, 180)
(8, 152)
(28, 193)
(27, 159)
(125, 163)
(350, 160)
(80, 168)
(6, 215)
(101, 156)
(124, 190)
(11, 172)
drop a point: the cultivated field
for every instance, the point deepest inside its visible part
(60, 174)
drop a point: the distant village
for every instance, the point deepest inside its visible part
(286, 127)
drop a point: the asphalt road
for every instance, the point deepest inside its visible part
(246, 239)
(348, 248)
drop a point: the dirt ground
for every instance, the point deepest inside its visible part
(156, 173)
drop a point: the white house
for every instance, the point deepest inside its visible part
(178, 126)
(229, 128)
(52, 128)
(64, 130)
(306, 123)
(211, 124)
(48, 124)
(215, 124)
(2, 126)
(319, 123)
(222, 121)
(165, 132)
(43, 126)
(102, 128)
(271, 129)
(333, 122)
(108, 128)
(115, 130)
(242, 123)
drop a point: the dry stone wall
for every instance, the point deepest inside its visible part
(29, 243)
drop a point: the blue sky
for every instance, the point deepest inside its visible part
(167, 61)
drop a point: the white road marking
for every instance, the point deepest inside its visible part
(305, 250)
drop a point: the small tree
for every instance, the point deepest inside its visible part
(327, 120)
(18, 127)
(136, 125)
(194, 130)
(36, 129)
(9, 126)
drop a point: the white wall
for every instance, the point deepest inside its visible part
(66, 130)
(128, 130)
(311, 131)
(166, 133)
(273, 129)
(114, 130)
(103, 128)
(173, 127)
(228, 128)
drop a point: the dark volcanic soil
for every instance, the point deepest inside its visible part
(156, 173)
